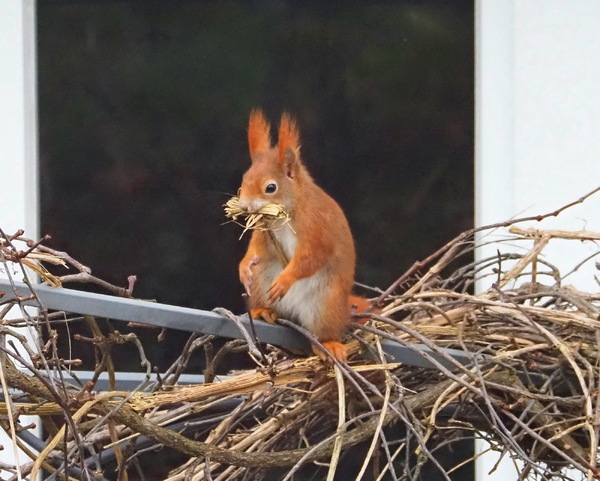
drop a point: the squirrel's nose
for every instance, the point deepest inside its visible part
(244, 204)
(251, 205)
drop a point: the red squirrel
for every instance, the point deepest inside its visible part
(303, 270)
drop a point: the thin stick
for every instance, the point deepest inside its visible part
(337, 446)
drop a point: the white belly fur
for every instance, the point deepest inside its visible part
(305, 300)
(286, 238)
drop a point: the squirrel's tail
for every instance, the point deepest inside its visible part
(360, 304)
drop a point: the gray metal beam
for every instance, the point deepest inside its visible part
(194, 320)
(152, 313)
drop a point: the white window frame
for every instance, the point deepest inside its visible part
(18, 143)
(18, 117)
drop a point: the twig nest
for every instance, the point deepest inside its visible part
(269, 217)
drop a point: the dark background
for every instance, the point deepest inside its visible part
(143, 110)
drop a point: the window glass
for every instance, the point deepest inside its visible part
(143, 110)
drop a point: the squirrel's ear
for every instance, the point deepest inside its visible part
(259, 132)
(289, 144)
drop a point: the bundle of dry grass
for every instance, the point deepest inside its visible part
(530, 385)
(268, 217)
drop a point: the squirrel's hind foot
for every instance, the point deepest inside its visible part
(334, 349)
(265, 314)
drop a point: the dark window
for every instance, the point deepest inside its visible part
(143, 109)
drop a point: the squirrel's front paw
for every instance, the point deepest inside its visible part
(279, 288)
(246, 273)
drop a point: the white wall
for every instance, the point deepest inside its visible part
(18, 138)
(538, 115)
(538, 125)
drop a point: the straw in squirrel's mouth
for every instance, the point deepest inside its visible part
(268, 217)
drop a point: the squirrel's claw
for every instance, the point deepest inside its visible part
(266, 314)
(278, 289)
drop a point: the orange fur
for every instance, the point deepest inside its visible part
(313, 288)
(259, 132)
(289, 136)
(360, 304)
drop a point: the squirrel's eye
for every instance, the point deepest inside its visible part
(271, 188)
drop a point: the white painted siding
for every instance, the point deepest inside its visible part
(538, 126)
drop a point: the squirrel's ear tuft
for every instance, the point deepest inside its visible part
(259, 132)
(289, 140)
